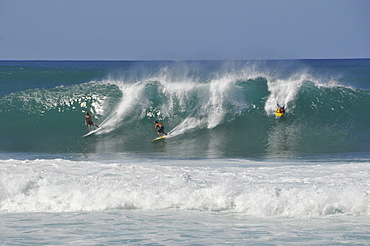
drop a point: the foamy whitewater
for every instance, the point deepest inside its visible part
(229, 172)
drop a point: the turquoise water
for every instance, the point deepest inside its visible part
(211, 109)
(229, 172)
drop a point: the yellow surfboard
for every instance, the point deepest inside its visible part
(279, 114)
(159, 138)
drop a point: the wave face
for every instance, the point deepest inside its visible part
(210, 108)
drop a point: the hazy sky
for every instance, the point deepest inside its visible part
(183, 29)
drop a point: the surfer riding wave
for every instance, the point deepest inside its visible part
(280, 110)
(161, 128)
(89, 122)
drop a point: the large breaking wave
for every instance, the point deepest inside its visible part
(214, 115)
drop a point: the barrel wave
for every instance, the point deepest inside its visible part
(209, 109)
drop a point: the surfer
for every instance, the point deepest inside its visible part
(280, 110)
(161, 128)
(89, 121)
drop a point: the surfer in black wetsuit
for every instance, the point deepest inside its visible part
(89, 121)
(161, 128)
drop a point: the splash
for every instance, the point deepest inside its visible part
(283, 91)
(132, 101)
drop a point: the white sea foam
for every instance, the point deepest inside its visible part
(283, 91)
(214, 99)
(58, 185)
(132, 101)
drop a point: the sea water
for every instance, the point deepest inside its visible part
(229, 172)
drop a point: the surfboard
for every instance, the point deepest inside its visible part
(89, 133)
(159, 138)
(279, 114)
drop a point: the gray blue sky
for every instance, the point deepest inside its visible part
(183, 29)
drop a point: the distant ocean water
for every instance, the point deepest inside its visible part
(229, 171)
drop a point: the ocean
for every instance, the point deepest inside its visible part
(229, 171)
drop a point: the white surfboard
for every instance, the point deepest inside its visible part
(92, 132)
